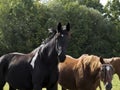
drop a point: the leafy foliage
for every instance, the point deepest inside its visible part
(91, 33)
(24, 24)
(112, 13)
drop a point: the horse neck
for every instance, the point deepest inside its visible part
(48, 52)
(49, 49)
(35, 50)
(43, 43)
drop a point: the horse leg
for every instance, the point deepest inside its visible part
(63, 88)
(54, 87)
(98, 84)
(11, 88)
(25, 89)
(2, 83)
(100, 87)
(37, 87)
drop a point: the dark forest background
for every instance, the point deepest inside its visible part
(95, 28)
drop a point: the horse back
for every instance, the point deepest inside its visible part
(68, 64)
(116, 64)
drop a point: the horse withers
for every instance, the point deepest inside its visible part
(80, 74)
(38, 68)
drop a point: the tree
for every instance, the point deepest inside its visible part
(112, 13)
(91, 33)
(89, 3)
(22, 25)
(92, 4)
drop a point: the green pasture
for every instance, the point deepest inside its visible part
(115, 82)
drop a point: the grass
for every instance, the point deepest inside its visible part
(115, 82)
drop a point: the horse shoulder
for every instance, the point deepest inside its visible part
(68, 64)
(67, 74)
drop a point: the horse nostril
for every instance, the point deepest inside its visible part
(108, 86)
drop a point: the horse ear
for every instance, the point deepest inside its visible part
(102, 61)
(50, 30)
(68, 26)
(59, 27)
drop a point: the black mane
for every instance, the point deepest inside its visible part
(51, 33)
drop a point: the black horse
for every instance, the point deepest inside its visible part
(38, 68)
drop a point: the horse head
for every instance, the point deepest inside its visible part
(62, 40)
(56, 43)
(106, 74)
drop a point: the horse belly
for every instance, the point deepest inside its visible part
(19, 76)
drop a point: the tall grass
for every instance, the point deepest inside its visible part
(115, 82)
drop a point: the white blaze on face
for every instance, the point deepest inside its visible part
(108, 68)
(33, 60)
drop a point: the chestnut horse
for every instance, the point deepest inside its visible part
(82, 73)
(115, 62)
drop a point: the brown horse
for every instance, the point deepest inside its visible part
(82, 73)
(115, 62)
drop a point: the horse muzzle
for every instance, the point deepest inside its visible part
(108, 86)
(62, 57)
